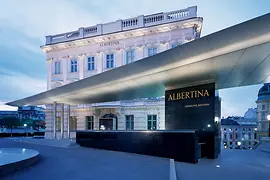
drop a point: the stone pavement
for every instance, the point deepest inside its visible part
(264, 145)
(57, 163)
(232, 164)
(61, 159)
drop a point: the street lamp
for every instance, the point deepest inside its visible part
(268, 118)
(25, 125)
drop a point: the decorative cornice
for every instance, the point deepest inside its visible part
(122, 35)
(48, 60)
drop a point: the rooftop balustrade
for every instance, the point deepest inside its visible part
(124, 25)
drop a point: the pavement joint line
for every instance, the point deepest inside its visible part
(172, 170)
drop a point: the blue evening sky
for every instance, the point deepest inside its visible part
(24, 24)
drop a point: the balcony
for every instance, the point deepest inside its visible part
(124, 25)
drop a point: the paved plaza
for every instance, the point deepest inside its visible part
(74, 162)
(233, 165)
(84, 163)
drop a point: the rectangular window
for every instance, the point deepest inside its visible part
(263, 116)
(263, 107)
(90, 122)
(130, 56)
(58, 123)
(129, 122)
(74, 66)
(91, 63)
(109, 60)
(73, 123)
(57, 67)
(152, 51)
(152, 122)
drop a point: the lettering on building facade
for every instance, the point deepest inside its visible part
(188, 95)
(109, 43)
(190, 107)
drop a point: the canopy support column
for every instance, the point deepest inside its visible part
(54, 119)
(68, 120)
(62, 120)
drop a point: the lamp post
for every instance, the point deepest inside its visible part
(25, 126)
(268, 118)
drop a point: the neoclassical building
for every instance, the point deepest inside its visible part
(263, 109)
(239, 132)
(76, 55)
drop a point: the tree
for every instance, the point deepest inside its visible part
(10, 122)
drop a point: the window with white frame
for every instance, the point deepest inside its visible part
(152, 51)
(152, 122)
(109, 60)
(90, 122)
(74, 66)
(91, 63)
(130, 56)
(57, 67)
(129, 122)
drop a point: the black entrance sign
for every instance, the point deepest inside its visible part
(190, 108)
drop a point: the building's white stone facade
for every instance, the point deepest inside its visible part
(70, 57)
(263, 110)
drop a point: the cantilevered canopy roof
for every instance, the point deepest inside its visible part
(236, 56)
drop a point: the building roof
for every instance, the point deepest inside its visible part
(129, 24)
(238, 121)
(264, 92)
(233, 57)
(229, 122)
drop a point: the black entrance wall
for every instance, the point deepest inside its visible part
(178, 145)
(190, 108)
(193, 108)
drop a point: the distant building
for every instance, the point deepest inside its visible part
(238, 133)
(8, 114)
(263, 109)
(26, 112)
(31, 112)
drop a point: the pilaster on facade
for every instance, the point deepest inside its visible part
(49, 72)
(64, 62)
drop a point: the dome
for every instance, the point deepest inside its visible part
(264, 92)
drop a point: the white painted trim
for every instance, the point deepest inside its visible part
(172, 170)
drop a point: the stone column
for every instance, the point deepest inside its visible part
(62, 120)
(54, 119)
(68, 121)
